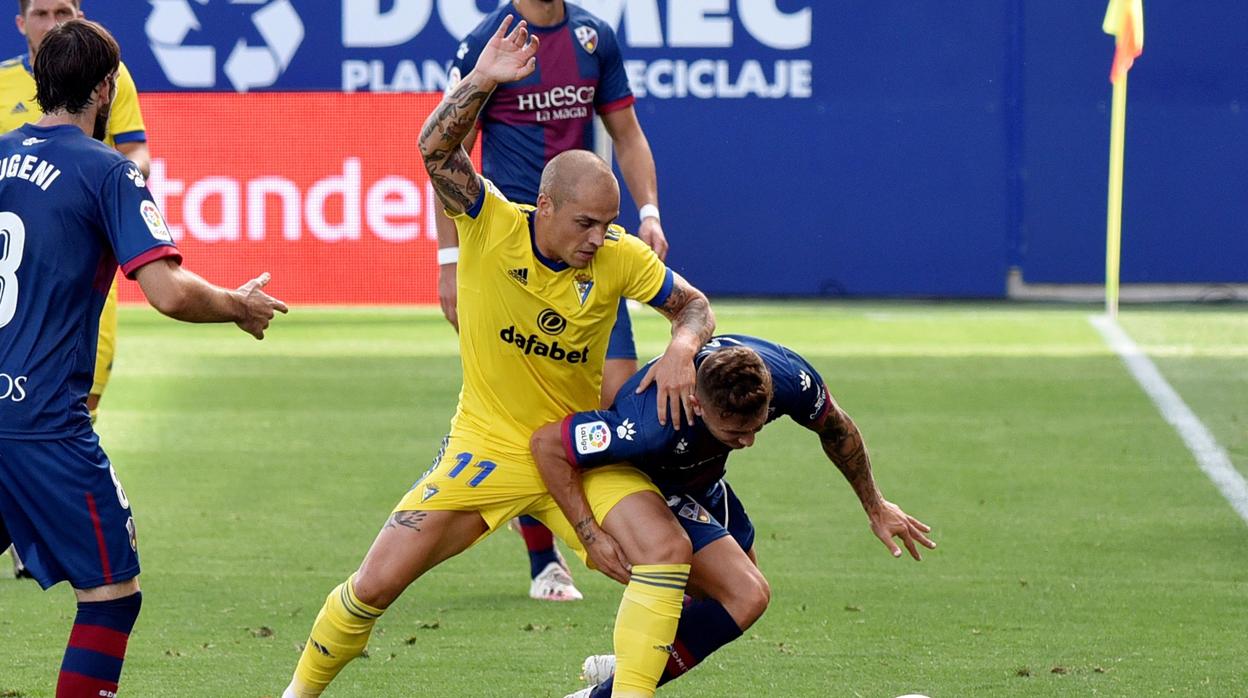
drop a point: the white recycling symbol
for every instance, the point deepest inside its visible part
(246, 67)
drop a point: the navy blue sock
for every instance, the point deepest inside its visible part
(704, 627)
(540, 542)
(97, 647)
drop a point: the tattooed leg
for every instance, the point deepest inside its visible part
(407, 519)
(410, 544)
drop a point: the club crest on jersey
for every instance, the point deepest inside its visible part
(155, 222)
(134, 535)
(593, 437)
(584, 284)
(694, 512)
(588, 36)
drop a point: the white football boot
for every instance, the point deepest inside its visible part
(597, 668)
(554, 584)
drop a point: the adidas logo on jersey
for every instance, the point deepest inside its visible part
(20, 108)
(520, 275)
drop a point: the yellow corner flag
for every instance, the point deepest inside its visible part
(1124, 19)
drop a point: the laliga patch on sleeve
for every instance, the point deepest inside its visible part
(155, 222)
(593, 437)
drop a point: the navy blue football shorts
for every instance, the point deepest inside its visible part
(621, 345)
(711, 515)
(66, 513)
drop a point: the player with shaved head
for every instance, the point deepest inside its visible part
(538, 291)
(579, 81)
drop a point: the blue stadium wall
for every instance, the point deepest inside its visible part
(832, 147)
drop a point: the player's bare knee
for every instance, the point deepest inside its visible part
(747, 600)
(108, 592)
(756, 600)
(667, 548)
(376, 588)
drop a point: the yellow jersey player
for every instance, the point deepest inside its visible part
(126, 133)
(538, 292)
(580, 54)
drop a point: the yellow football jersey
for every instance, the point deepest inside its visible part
(18, 105)
(533, 333)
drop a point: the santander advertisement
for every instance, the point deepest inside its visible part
(324, 190)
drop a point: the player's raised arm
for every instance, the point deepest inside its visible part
(844, 446)
(693, 323)
(507, 57)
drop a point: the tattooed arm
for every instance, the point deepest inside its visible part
(563, 480)
(693, 323)
(843, 444)
(450, 170)
(506, 58)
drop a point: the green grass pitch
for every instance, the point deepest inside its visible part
(1081, 550)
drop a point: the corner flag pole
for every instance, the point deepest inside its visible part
(1124, 19)
(1113, 227)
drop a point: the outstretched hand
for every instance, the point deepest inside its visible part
(258, 306)
(509, 57)
(888, 521)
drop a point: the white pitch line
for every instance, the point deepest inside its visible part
(1210, 456)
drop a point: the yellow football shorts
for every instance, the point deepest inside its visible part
(500, 491)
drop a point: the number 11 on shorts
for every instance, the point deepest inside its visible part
(462, 460)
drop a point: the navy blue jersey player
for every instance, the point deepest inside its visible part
(743, 384)
(71, 211)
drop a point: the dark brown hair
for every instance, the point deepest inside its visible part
(73, 59)
(735, 381)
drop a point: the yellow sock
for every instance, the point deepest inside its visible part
(339, 635)
(646, 626)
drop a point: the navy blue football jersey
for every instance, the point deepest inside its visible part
(580, 72)
(691, 459)
(71, 209)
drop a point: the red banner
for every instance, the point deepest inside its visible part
(324, 190)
